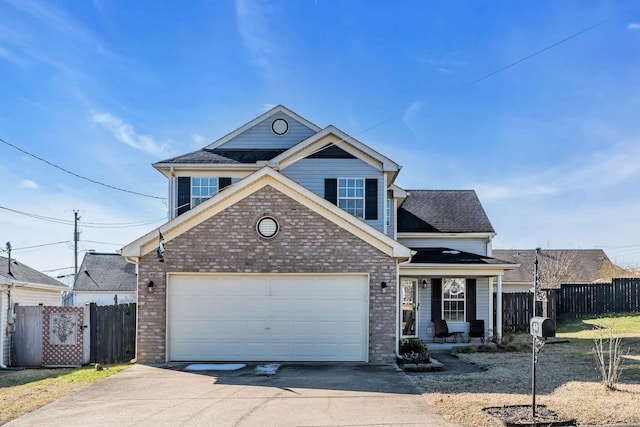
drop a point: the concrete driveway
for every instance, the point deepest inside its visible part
(297, 395)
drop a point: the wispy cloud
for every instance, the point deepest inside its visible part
(197, 140)
(610, 168)
(27, 183)
(255, 30)
(634, 26)
(411, 113)
(124, 132)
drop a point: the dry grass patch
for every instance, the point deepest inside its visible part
(24, 391)
(567, 382)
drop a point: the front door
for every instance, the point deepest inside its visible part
(409, 307)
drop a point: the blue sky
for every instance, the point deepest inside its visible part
(105, 88)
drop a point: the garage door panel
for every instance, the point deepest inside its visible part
(271, 317)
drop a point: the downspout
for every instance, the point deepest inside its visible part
(170, 201)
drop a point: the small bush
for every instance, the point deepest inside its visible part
(608, 351)
(413, 350)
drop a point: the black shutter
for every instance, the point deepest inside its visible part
(223, 182)
(331, 190)
(184, 194)
(436, 299)
(371, 199)
(470, 294)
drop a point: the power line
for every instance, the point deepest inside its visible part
(79, 176)
(40, 246)
(551, 46)
(506, 67)
(84, 224)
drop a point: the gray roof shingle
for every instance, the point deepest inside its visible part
(110, 272)
(24, 273)
(443, 211)
(451, 256)
(221, 156)
(585, 268)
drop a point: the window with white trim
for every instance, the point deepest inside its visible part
(351, 196)
(202, 188)
(453, 296)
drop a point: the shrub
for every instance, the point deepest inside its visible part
(413, 350)
(607, 351)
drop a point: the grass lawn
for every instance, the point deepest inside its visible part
(24, 391)
(567, 380)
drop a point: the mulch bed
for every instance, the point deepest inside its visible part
(522, 416)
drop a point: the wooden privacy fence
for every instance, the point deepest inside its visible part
(69, 336)
(47, 336)
(113, 333)
(517, 310)
(571, 301)
(620, 296)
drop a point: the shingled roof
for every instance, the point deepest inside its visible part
(443, 211)
(586, 263)
(24, 273)
(107, 272)
(221, 156)
(452, 256)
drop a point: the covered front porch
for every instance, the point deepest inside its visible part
(452, 285)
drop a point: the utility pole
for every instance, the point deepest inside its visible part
(9, 256)
(76, 237)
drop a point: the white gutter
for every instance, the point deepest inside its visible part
(2, 332)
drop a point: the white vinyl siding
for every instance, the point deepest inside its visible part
(474, 246)
(102, 298)
(30, 296)
(311, 174)
(261, 137)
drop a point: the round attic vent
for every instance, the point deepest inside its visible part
(280, 126)
(267, 227)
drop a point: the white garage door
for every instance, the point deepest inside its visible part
(268, 318)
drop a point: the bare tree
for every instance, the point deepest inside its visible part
(610, 271)
(558, 266)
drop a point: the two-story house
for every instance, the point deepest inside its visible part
(291, 242)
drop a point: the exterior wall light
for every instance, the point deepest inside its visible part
(150, 287)
(383, 285)
(424, 284)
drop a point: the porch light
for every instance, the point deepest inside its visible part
(424, 284)
(383, 285)
(150, 287)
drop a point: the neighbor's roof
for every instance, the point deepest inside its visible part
(452, 256)
(110, 272)
(443, 211)
(24, 273)
(587, 263)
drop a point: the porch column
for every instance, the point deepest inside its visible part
(499, 308)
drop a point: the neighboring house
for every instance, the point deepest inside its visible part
(555, 266)
(104, 279)
(291, 242)
(20, 284)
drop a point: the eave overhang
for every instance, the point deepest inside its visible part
(445, 269)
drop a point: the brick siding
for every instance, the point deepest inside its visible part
(228, 243)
